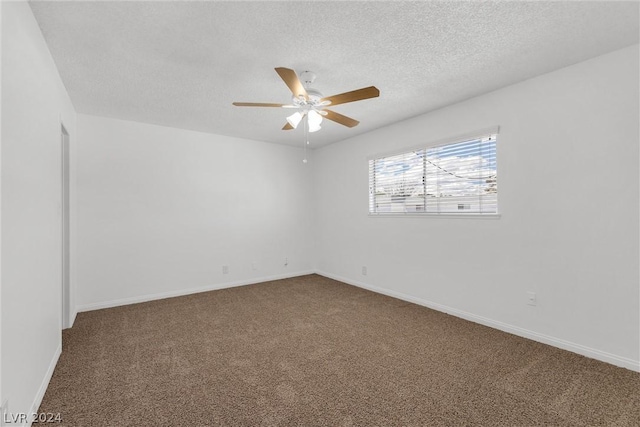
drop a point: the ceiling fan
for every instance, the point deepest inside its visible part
(311, 103)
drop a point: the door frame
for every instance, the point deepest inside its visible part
(65, 203)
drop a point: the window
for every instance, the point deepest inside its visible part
(453, 178)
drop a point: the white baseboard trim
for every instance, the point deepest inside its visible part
(603, 356)
(73, 316)
(45, 383)
(182, 292)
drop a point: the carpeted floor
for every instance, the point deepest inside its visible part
(311, 351)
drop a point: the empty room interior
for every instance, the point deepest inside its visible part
(320, 213)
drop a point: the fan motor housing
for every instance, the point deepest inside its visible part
(315, 97)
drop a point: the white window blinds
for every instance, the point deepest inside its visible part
(454, 178)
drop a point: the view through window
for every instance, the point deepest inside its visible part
(454, 178)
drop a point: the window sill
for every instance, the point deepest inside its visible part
(427, 215)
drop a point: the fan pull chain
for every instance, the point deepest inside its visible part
(306, 139)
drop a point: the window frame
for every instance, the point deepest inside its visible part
(469, 136)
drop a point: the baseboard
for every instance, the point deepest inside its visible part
(73, 316)
(45, 383)
(613, 359)
(182, 292)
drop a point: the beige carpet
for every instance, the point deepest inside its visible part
(311, 351)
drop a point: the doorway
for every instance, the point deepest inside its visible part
(66, 291)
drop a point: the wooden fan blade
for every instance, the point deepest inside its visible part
(292, 81)
(257, 104)
(354, 95)
(339, 118)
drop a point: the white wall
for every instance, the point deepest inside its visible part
(34, 103)
(568, 194)
(161, 210)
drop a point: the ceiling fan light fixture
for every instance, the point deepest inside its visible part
(314, 121)
(294, 119)
(312, 102)
(314, 128)
(314, 117)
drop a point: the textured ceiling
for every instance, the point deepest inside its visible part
(182, 64)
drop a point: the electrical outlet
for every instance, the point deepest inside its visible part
(286, 261)
(364, 270)
(225, 269)
(254, 266)
(531, 298)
